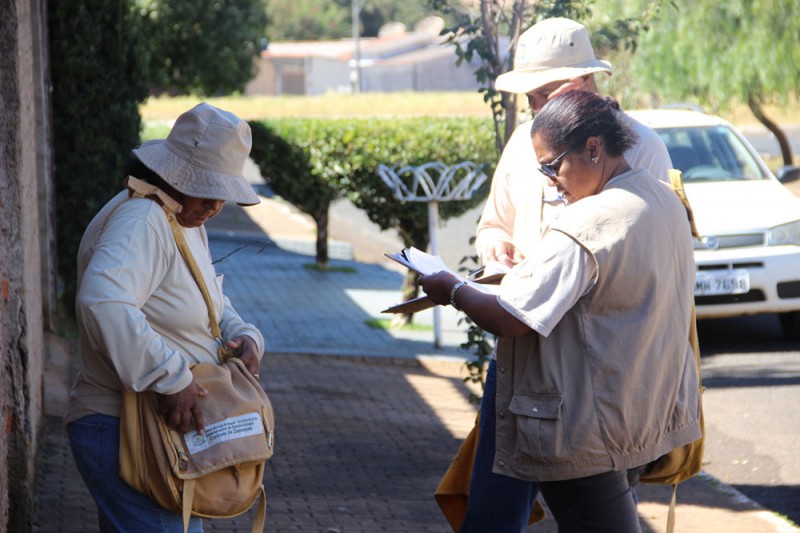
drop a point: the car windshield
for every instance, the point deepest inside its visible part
(712, 153)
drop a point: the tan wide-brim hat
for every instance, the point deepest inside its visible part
(204, 155)
(552, 50)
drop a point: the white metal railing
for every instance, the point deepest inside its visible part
(434, 182)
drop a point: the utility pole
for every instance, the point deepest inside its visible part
(355, 74)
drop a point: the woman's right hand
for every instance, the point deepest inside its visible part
(180, 408)
(503, 252)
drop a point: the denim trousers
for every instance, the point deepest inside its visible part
(497, 503)
(603, 503)
(94, 440)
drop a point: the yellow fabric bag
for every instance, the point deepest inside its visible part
(681, 463)
(452, 494)
(216, 475)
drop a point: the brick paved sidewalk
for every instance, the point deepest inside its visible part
(360, 447)
(366, 423)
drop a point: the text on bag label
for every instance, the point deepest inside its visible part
(236, 427)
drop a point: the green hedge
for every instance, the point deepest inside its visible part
(311, 161)
(99, 77)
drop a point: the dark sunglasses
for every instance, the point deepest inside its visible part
(551, 169)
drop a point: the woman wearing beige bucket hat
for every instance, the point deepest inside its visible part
(142, 319)
(553, 57)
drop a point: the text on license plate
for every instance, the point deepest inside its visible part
(710, 282)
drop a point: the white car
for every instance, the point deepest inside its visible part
(748, 257)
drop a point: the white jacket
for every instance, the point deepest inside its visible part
(141, 316)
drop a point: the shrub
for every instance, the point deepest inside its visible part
(311, 161)
(99, 78)
(283, 153)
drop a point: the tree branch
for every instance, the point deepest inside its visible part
(755, 106)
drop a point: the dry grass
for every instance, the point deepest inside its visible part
(388, 104)
(788, 114)
(328, 105)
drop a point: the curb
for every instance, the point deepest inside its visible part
(781, 523)
(411, 361)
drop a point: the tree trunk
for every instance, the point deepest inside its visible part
(510, 100)
(321, 218)
(409, 291)
(755, 107)
(510, 106)
(497, 60)
(410, 288)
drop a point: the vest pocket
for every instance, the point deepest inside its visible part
(541, 435)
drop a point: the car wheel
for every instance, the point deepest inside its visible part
(790, 324)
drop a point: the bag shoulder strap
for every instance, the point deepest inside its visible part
(141, 189)
(676, 180)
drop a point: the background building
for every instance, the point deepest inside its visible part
(394, 61)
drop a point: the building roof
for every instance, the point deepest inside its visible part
(373, 48)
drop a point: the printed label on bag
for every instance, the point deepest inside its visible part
(236, 427)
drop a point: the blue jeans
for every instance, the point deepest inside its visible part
(94, 440)
(497, 503)
(502, 504)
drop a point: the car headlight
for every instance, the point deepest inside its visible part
(784, 234)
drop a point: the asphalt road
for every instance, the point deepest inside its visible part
(752, 379)
(764, 142)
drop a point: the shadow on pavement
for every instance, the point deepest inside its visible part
(759, 333)
(782, 499)
(301, 310)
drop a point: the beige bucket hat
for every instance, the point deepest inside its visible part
(552, 50)
(204, 155)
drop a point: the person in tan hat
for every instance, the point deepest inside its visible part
(553, 57)
(142, 319)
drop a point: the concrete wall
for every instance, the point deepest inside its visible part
(25, 251)
(442, 74)
(327, 75)
(264, 82)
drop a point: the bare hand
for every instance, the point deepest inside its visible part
(246, 349)
(503, 252)
(180, 408)
(581, 82)
(438, 286)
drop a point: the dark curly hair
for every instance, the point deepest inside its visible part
(568, 120)
(134, 167)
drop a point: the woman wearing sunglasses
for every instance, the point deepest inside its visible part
(595, 374)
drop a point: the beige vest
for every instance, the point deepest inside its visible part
(615, 385)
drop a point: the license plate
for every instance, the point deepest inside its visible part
(710, 282)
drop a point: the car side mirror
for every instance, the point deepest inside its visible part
(788, 174)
